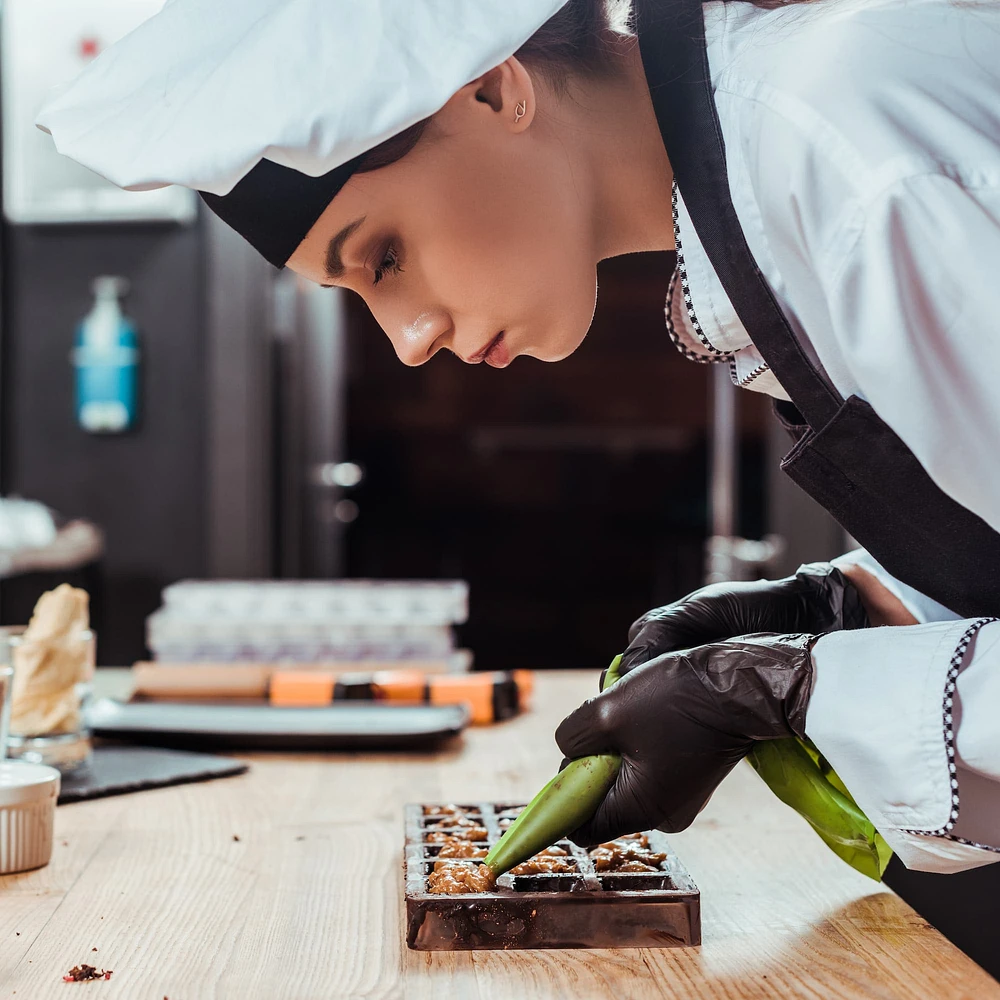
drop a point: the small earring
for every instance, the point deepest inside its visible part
(519, 111)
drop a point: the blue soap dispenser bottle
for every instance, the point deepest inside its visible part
(106, 360)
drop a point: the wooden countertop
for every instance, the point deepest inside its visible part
(308, 902)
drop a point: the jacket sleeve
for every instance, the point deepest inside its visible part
(922, 607)
(906, 716)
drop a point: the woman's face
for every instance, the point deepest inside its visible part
(479, 240)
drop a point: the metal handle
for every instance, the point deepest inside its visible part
(342, 475)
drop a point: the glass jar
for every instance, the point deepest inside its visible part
(6, 684)
(48, 715)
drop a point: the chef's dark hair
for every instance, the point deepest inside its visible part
(573, 40)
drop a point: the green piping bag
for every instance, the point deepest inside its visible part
(793, 769)
(566, 802)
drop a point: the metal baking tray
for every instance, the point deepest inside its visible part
(583, 909)
(350, 726)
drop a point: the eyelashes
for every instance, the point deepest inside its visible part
(389, 264)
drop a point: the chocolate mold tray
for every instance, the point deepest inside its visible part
(583, 908)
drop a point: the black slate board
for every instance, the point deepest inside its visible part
(117, 770)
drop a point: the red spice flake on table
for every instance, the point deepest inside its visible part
(85, 973)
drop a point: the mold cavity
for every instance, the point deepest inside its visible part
(636, 883)
(479, 848)
(451, 822)
(548, 883)
(428, 866)
(439, 812)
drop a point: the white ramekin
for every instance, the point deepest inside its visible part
(28, 795)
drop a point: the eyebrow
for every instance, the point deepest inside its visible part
(334, 265)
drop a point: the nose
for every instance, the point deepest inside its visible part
(417, 342)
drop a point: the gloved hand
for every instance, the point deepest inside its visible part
(818, 598)
(682, 721)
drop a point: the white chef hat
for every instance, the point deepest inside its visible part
(265, 106)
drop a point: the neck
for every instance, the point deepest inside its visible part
(630, 169)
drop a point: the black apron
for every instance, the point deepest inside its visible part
(845, 456)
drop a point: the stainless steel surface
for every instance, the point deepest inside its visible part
(239, 453)
(310, 331)
(727, 555)
(731, 558)
(277, 370)
(724, 482)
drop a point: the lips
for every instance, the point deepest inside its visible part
(495, 353)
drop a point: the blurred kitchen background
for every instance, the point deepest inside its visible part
(250, 427)
(273, 434)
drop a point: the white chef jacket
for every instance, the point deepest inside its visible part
(863, 151)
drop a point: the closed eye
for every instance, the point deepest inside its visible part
(388, 265)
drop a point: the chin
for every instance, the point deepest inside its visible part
(554, 348)
(562, 354)
(568, 332)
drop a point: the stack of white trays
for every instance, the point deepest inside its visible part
(308, 621)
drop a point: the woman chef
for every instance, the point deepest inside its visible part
(829, 174)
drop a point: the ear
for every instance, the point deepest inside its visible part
(506, 93)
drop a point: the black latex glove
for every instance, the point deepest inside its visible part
(818, 598)
(682, 722)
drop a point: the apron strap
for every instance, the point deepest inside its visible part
(672, 44)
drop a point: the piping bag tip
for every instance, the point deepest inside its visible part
(564, 804)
